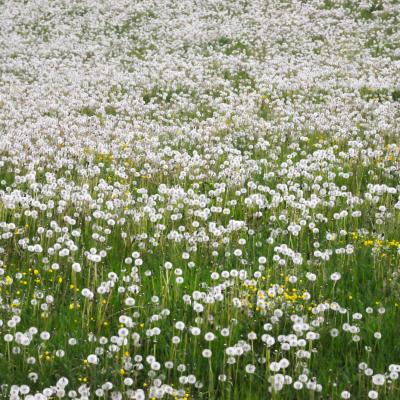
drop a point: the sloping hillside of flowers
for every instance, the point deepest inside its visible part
(199, 199)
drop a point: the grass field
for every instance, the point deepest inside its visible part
(199, 199)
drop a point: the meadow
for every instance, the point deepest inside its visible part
(199, 199)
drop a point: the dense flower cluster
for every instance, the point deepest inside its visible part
(199, 199)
